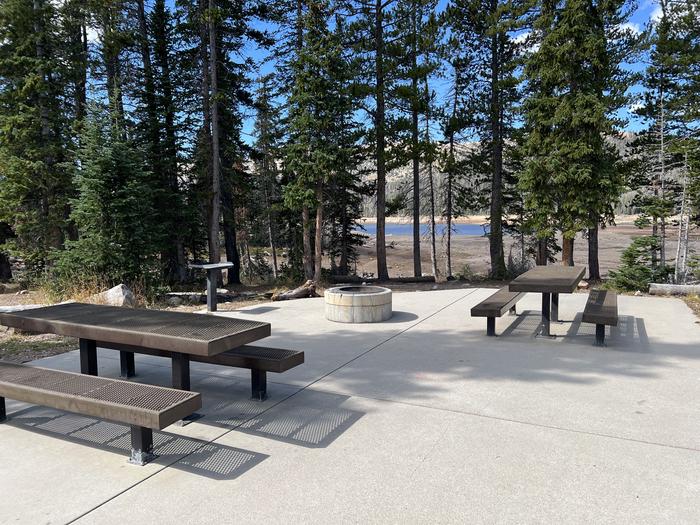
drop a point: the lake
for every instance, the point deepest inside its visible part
(403, 229)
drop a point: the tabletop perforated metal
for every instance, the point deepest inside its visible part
(186, 333)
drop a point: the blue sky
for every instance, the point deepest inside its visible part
(644, 11)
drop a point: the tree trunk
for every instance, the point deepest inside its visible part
(306, 236)
(380, 123)
(318, 241)
(271, 236)
(417, 270)
(593, 263)
(450, 177)
(542, 253)
(215, 196)
(567, 256)
(498, 265)
(176, 260)
(230, 239)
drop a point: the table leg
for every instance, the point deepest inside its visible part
(555, 307)
(545, 315)
(128, 366)
(181, 371)
(212, 281)
(88, 357)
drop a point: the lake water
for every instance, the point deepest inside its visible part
(407, 229)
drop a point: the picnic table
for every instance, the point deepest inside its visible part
(550, 281)
(181, 335)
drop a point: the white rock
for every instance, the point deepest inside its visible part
(174, 301)
(120, 295)
(583, 285)
(638, 293)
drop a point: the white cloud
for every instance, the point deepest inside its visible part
(631, 27)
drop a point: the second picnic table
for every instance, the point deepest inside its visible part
(550, 281)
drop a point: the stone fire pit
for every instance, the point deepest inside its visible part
(358, 304)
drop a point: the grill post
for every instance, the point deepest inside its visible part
(212, 281)
(3, 412)
(181, 371)
(258, 380)
(128, 366)
(88, 357)
(141, 445)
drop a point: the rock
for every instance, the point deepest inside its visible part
(638, 293)
(583, 285)
(174, 301)
(120, 295)
(22, 292)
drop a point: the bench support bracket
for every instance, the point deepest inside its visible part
(258, 380)
(128, 367)
(491, 326)
(3, 412)
(555, 307)
(546, 314)
(88, 357)
(141, 445)
(600, 335)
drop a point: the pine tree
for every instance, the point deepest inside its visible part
(483, 33)
(34, 130)
(119, 237)
(374, 31)
(571, 178)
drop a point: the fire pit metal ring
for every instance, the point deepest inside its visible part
(358, 304)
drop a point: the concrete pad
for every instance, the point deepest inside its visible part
(638, 389)
(420, 420)
(404, 464)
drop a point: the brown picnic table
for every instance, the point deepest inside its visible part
(178, 335)
(550, 281)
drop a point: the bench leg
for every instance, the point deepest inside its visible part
(141, 445)
(88, 357)
(600, 335)
(181, 371)
(128, 367)
(3, 411)
(258, 384)
(555, 307)
(491, 326)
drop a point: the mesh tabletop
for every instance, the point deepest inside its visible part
(135, 403)
(549, 279)
(172, 331)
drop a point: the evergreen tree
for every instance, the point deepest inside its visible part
(34, 130)
(119, 237)
(571, 178)
(488, 70)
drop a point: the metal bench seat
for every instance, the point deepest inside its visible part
(495, 306)
(143, 407)
(259, 359)
(601, 310)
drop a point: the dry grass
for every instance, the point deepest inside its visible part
(23, 348)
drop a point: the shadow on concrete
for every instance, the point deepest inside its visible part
(630, 334)
(198, 457)
(315, 422)
(259, 310)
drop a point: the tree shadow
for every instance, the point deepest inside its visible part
(196, 456)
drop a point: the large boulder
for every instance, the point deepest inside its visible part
(120, 295)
